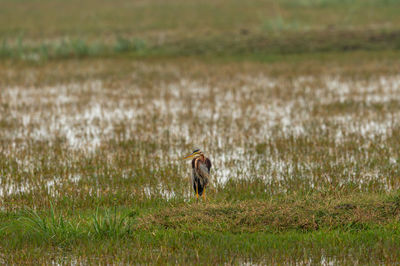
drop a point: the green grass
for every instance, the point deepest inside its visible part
(205, 233)
(205, 247)
(255, 47)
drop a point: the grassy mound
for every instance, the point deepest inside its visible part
(276, 216)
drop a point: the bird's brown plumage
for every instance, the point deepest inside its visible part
(200, 173)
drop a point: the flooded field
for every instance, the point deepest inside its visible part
(303, 160)
(288, 133)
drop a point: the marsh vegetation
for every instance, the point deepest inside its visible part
(303, 133)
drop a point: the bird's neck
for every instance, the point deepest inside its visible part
(201, 158)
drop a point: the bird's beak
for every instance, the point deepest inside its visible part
(189, 156)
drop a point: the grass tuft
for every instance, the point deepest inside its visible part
(111, 225)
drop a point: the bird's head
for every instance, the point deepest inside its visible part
(196, 153)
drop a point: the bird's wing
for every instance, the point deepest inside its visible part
(203, 170)
(208, 164)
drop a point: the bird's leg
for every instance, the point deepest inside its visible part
(204, 194)
(197, 193)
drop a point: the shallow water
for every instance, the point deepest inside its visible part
(227, 119)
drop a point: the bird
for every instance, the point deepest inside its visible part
(201, 166)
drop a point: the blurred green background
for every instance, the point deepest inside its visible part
(42, 29)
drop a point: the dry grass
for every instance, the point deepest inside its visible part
(355, 212)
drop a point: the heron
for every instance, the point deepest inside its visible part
(201, 166)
